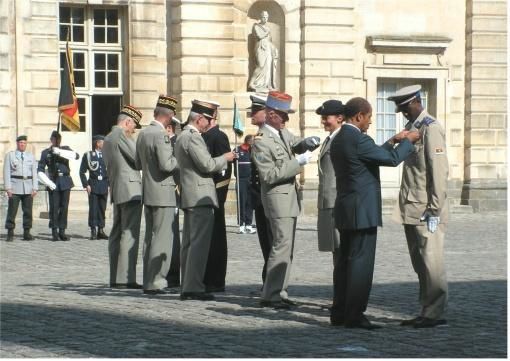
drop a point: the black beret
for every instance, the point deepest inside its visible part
(55, 134)
(21, 137)
(330, 107)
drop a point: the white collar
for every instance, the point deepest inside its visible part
(271, 129)
(332, 135)
(352, 125)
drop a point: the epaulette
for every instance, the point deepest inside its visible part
(428, 120)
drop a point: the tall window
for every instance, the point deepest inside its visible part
(95, 38)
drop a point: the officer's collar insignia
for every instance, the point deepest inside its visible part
(427, 120)
(167, 139)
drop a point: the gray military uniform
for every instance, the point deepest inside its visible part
(154, 156)
(277, 169)
(424, 186)
(126, 193)
(198, 200)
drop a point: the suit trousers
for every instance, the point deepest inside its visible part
(12, 209)
(216, 269)
(123, 242)
(59, 205)
(196, 240)
(97, 209)
(245, 206)
(426, 251)
(173, 277)
(353, 273)
(280, 259)
(264, 234)
(157, 246)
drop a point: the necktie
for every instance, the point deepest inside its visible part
(22, 156)
(281, 136)
(325, 142)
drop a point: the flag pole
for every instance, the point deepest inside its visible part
(237, 172)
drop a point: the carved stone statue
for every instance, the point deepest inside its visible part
(266, 57)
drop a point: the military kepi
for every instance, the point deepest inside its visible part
(279, 101)
(166, 101)
(21, 137)
(133, 113)
(330, 107)
(405, 95)
(207, 108)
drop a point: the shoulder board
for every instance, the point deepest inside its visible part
(259, 135)
(428, 120)
(193, 131)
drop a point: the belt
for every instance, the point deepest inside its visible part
(20, 177)
(59, 174)
(223, 183)
(99, 177)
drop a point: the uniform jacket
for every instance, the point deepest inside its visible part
(155, 157)
(196, 169)
(218, 144)
(277, 168)
(425, 174)
(58, 168)
(327, 181)
(356, 160)
(119, 155)
(98, 178)
(26, 168)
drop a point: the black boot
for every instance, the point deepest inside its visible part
(62, 234)
(10, 235)
(101, 234)
(54, 235)
(93, 234)
(27, 236)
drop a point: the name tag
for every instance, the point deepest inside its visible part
(100, 177)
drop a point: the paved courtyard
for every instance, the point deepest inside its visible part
(55, 301)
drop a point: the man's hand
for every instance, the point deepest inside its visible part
(88, 189)
(304, 158)
(397, 138)
(432, 221)
(34, 193)
(9, 193)
(413, 136)
(230, 156)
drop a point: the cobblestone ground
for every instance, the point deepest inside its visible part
(55, 302)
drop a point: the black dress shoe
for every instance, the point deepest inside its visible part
(62, 235)
(155, 292)
(429, 322)
(101, 234)
(54, 235)
(173, 284)
(215, 289)
(27, 236)
(277, 305)
(93, 233)
(411, 322)
(10, 235)
(199, 296)
(361, 322)
(337, 320)
(123, 286)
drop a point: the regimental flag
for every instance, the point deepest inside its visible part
(67, 101)
(237, 121)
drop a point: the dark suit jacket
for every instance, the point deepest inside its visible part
(97, 186)
(356, 160)
(218, 144)
(58, 168)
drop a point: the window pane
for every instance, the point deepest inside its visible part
(113, 62)
(379, 136)
(99, 61)
(81, 106)
(99, 17)
(391, 121)
(100, 80)
(112, 35)
(78, 15)
(380, 104)
(65, 14)
(112, 17)
(113, 80)
(78, 34)
(78, 61)
(63, 32)
(99, 35)
(79, 78)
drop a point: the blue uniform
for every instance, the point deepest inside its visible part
(93, 163)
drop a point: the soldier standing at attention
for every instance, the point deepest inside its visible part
(218, 144)
(56, 159)
(198, 198)
(155, 157)
(96, 186)
(126, 194)
(243, 174)
(423, 206)
(20, 184)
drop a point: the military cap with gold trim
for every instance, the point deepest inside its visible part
(207, 108)
(166, 101)
(133, 113)
(405, 95)
(279, 101)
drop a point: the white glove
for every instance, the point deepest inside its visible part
(432, 221)
(64, 153)
(46, 181)
(304, 158)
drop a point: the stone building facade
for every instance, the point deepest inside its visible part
(129, 51)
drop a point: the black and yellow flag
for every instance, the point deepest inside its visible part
(67, 101)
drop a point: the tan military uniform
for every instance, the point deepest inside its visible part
(154, 156)
(424, 186)
(198, 200)
(277, 168)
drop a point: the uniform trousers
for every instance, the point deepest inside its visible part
(123, 242)
(279, 262)
(216, 270)
(173, 277)
(59, 205)
(426, 251)
(264, 234)
(97, 209)
(157, 246)
(245, 206)
(196, 240)
(353, 273)
(12, 209)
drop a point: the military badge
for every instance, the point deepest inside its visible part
(167, 139)
(439, 151)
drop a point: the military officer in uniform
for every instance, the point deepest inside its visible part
(119, 151)
(423, 206)
(273, 153)
(155, 157)
(96, 186)
(242, 172)
(218, 144)
(20, 184)
(56, 160)
(327, 234)
(198, 197)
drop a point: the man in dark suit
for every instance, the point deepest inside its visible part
(56, 160)
(96, 186)
(356, 160)
(217, 143)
